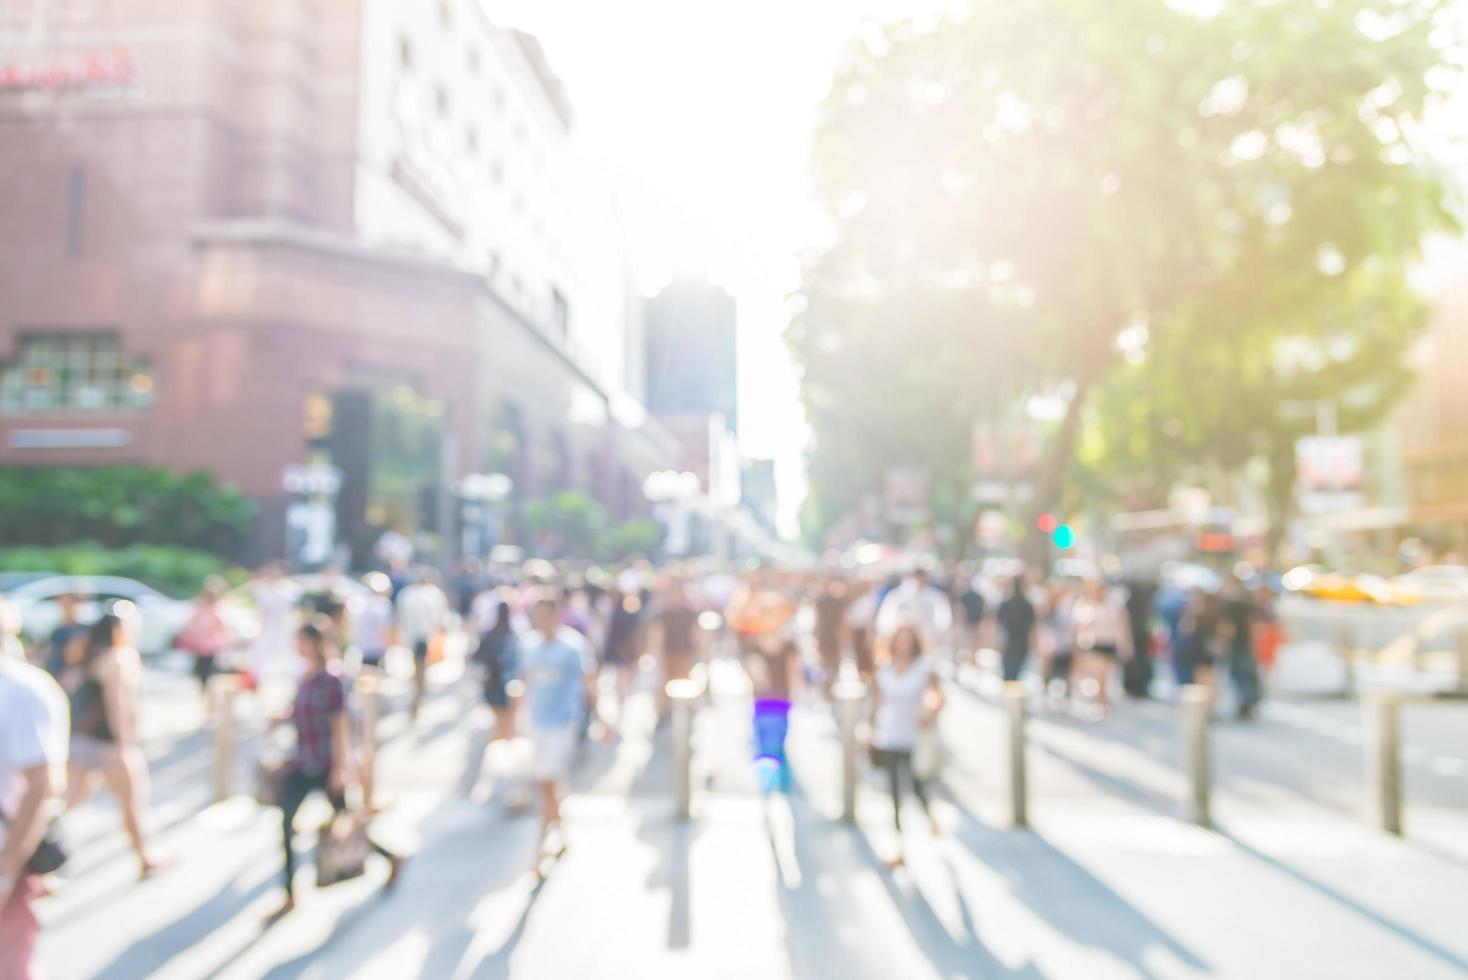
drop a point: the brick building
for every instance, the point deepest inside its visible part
(246, 235)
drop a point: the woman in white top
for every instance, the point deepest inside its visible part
(906, 699)
(1100, 637)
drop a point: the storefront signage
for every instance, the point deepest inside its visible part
(85, 71)
(69, 438)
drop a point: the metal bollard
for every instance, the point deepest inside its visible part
(1462, 651)
(849, 696)
(1384, 759)
(221, 692)
(369, 687)
(682, 693)
(1345, 643)
(1015, 698)
(1197, 721)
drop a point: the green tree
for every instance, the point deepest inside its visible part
(1231, 195)
(567, 525)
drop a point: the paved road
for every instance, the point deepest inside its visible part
(1109, 882)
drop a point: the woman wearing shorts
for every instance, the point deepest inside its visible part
(102, 688)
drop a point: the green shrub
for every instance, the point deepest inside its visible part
(177, 571)
(119, 506)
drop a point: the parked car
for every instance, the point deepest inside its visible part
(160, 617)
(1433, 583)
(10, 581)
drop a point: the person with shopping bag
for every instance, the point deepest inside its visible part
(323, 763)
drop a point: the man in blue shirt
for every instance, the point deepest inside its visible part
(559, 672)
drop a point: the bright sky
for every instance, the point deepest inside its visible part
(703, 110)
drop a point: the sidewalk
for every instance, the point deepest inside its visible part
(1108, 883)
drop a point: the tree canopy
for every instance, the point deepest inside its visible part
(1174, 217)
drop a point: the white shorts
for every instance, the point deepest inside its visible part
(554, 750)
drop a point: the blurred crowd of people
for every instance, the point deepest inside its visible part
(556, 652)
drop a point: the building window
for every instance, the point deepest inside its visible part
(64, 372)
(405, 52)
(560, 314)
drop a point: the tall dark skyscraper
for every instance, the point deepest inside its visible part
(692, 350)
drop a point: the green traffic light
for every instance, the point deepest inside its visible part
(1064, 537)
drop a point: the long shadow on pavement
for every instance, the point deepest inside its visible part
(1127, 789)
(149, 955)
(1076, 903)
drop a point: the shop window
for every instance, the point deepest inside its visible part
(74, 372)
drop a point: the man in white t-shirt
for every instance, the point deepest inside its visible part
(423, 613)
(34, 727)
(921, 605)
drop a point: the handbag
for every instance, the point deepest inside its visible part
(929, 755)
(270, 776)
(50, 854)
(341, 850)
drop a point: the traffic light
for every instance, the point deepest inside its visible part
(1047, 523)
(1064, 537)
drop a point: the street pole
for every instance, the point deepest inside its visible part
(1197, 717)
(221, 692)
(849, 697)
(1014, 704)
(682, 693)
(1384, 759)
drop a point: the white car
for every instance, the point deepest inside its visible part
(1434, 583)
(159, 617)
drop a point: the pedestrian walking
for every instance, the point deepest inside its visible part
(33, 746)
(1201, 639)
(763, 620)
(829, 628)
(861, 617)
(206, 637)
(276, 600)
(1016, 616)
(323, 759)
(423, 615)
(673, 637)
(1238, 628)
(1137, 671)
(1100, 638)
(921, 605)
(906, 700)
(558, 668)
(373, 623)
(64, 644)
(497, 657)
(972, 607)
(102, 690)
